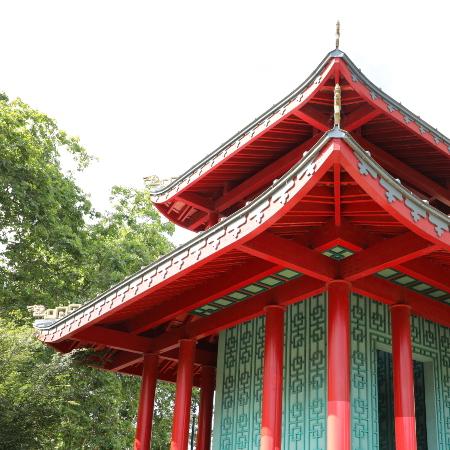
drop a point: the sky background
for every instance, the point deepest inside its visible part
(151, 87)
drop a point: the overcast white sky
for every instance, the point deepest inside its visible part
(151, 87)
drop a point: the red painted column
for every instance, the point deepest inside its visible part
(182, 410)
(146, 403)
(208, 377)
(402, 365)
(338, 413)
(272, 394)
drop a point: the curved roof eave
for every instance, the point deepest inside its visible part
(254, 218)
(236, 228)
(356, 76)
(209, 159)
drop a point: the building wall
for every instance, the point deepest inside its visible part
(370, 324)
(238, 396)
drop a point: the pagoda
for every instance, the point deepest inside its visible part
(312, 308)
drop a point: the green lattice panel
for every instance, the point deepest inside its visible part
(370, 322)
(238, 397)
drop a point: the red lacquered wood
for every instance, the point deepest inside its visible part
(272, 395)
(208, 376)
(404, 407)
(182, 410)
(146, 403)
(339, 418)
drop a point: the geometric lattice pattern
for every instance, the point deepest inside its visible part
(264, 284)
(414, 284)
(370, 331)
(338, 252)
(239, 378)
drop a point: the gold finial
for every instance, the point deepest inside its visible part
(338, 33)
(337, 105)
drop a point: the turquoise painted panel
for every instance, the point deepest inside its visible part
(238, 396)
(370, 331)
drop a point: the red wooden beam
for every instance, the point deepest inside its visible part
(197, 201)
(291, 254)
(390, 293)
(293, 291)
(314, 118)
(359, 117)
(385, 254)
(405, 172)
(114, 339)
(215, 288)
(428, 271)
(330, 234)
(124, 359)
(337, 194)
(264, 176)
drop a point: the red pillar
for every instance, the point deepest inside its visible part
(338, 413)
(182, 410)
(146, 403)
(272, 395)
(206, 408)
(402, 364)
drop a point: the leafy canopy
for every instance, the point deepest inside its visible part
(55, 249)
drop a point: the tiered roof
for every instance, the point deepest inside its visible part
(229, 176)
(300, 203)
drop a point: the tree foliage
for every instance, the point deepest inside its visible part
(55, 249)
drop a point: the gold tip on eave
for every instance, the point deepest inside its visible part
(338, 33)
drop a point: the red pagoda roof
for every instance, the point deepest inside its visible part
(246, 164)
(335, 214)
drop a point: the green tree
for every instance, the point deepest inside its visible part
(54, 249)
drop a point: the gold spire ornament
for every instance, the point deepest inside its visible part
(337, 105)
(338, 33)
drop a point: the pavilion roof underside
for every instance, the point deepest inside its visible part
(335, 214)
(219, 184)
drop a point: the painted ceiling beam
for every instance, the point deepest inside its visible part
(390, 293)
(385, 254)
(197, 201)
(314, 118)
(118, 340)
(291, 254)
(293, 291)
(428, 271)
(356, 119)
(126, 358)
(238, 277)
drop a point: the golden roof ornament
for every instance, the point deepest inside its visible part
(337, 105)
(338, 33)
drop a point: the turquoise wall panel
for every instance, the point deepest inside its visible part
(238, 396)
(237, 416)
(370, 330)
